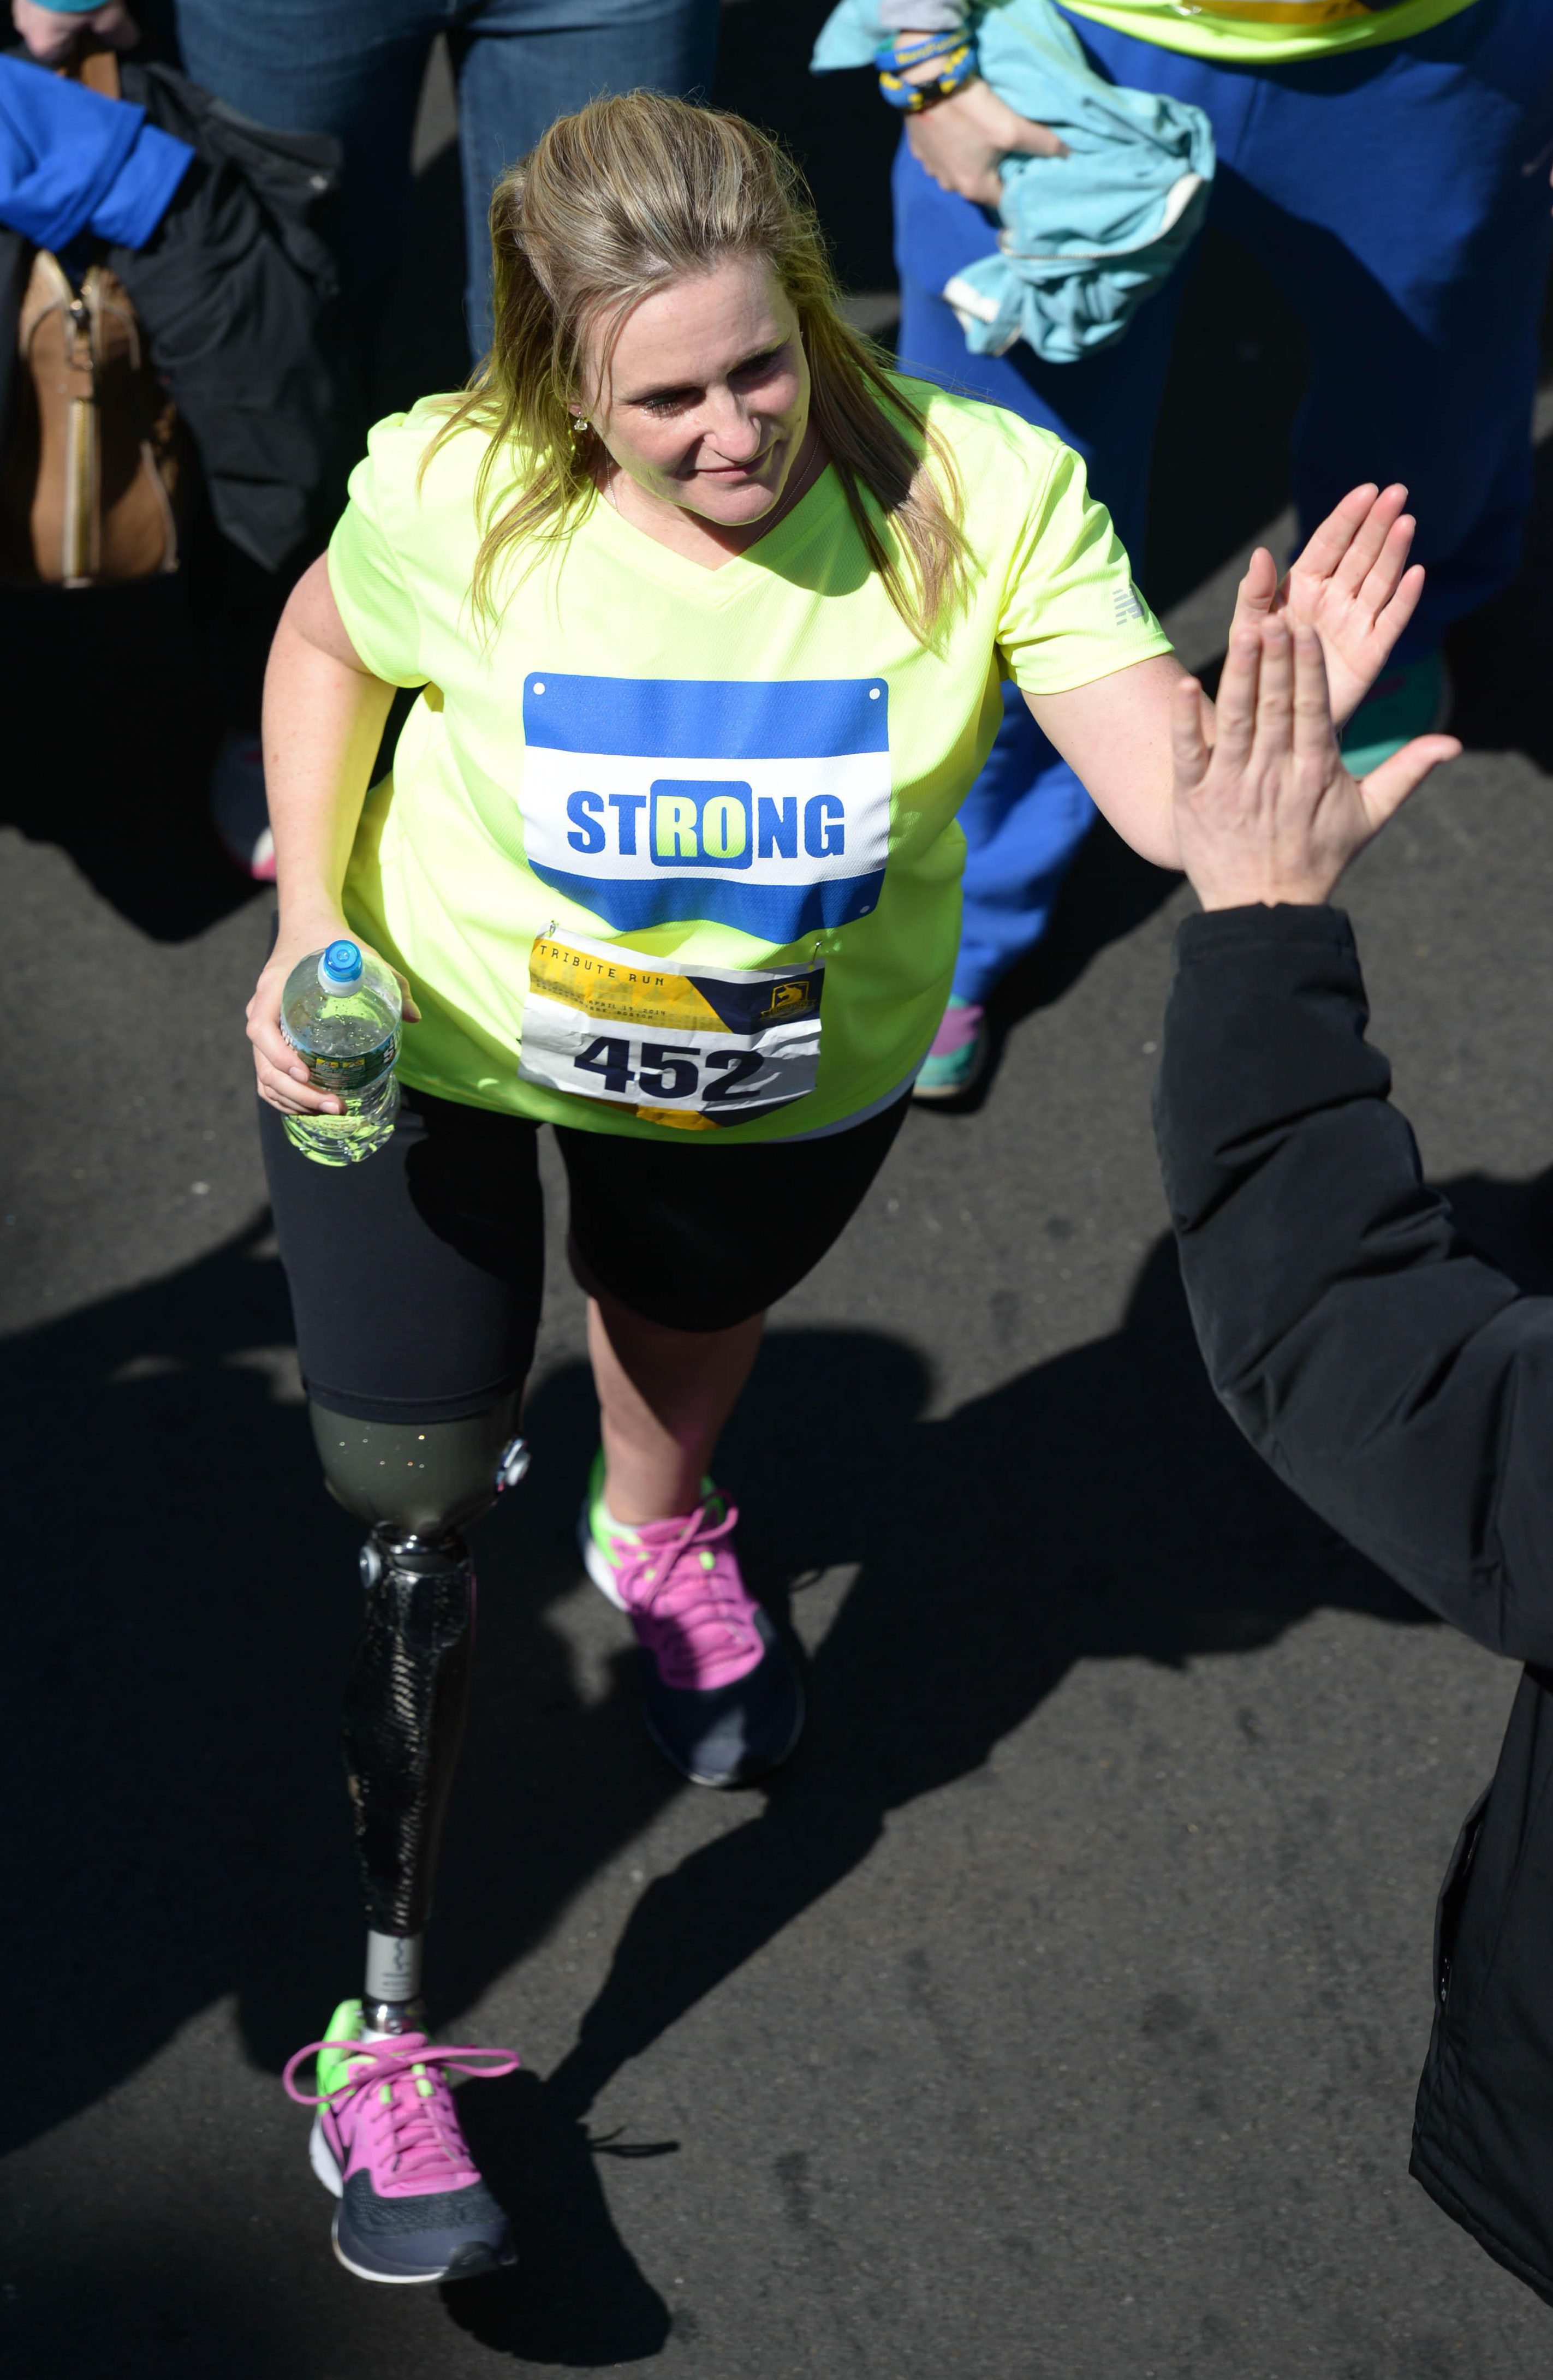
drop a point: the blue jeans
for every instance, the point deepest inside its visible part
(353, 69)
(1400, 198)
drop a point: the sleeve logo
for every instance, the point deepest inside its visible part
(657, 801)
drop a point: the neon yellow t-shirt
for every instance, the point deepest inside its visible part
(1268, 33)
(747, 768)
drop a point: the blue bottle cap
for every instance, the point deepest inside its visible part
(340, 966)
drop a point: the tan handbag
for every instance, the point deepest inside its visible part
(90, 474)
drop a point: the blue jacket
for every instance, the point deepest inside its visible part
(1085, 238)
(71, 161)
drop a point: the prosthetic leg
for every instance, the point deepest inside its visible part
(417, 1487)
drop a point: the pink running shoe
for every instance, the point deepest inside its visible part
(720, 1696)
(386, 2142)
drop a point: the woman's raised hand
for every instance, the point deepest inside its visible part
(1268, 812)
(281, 1074)
(1352, 585)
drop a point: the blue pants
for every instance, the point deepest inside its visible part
(1400, 198)
(353, 69)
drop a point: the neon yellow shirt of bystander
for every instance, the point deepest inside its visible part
(1269, 32)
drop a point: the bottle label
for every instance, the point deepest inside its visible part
(348, 1077)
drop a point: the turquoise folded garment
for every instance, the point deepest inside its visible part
(1085, 238)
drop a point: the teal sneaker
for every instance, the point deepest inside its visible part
(1402, 703)
(721, 1698)
(957, 1059)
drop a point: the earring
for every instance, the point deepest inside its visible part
(580, 421)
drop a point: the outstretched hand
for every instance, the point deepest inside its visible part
(1352, 585)
(1268, 812)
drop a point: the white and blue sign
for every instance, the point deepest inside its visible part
(658, 801)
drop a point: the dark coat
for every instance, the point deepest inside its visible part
(1404, 1387)
(237, 294)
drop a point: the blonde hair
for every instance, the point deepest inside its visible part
(625, 196)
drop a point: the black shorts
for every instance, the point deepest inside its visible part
(417, 1276)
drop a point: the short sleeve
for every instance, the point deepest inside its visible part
(1071, 613)
(366, 573)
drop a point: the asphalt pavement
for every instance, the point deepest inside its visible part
(1057, 2015)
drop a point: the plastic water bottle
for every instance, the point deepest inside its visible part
(341, 1011)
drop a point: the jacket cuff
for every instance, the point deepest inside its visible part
(1257, 927)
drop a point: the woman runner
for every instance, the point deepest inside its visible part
(711, 614)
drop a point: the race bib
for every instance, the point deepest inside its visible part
(713, 1047)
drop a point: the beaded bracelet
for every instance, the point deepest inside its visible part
(955, 56)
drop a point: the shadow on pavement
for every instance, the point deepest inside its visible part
(110, 732)
(1159, 1536)
(188, 1609)
(112, 2314)
(576, 2295)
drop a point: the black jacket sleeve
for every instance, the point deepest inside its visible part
(1399, 1383)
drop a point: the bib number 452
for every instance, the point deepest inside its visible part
(664, 1070)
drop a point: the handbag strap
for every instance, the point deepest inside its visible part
(93, 64)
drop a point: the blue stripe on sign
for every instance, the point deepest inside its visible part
(773, 913)
(706, 719)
